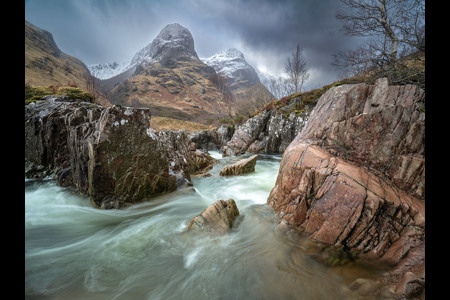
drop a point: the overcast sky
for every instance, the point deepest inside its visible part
(265, 31)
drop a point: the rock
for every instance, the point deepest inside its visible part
(109, 153)
(244, 166)
(185, 159)
(218, 217)
(354, 179)
(205, 139)
(47, 126)
(269, 132)
(125, 161)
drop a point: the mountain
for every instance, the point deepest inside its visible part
(231, 64)
(107, 70)
(168, 77)
(46, 64)
(245, 86)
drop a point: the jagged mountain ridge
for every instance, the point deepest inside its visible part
(166, 76)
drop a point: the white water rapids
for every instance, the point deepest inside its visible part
(75, 251)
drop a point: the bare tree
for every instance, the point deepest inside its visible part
(394, 28)
(390, 23)
(296, 70)
(278, 86)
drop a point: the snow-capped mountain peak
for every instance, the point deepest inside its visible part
(107, 70)
(231, 64)
(173, 40)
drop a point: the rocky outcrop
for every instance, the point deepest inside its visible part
(269, 132)
(184, 157)
(244, 166)
(110, 154)
(354, 179)
(218, 217)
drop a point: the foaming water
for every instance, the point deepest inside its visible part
(75, 251)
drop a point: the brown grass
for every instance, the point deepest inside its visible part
(161, 123)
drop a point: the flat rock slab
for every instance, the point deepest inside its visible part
(243, 166)
(218, 217)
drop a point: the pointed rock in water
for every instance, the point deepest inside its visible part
(218, 217)
(243, 166)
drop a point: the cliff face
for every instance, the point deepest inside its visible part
(354, 179)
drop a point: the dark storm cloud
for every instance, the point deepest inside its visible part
(100, 31)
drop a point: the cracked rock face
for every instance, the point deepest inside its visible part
(354, 179)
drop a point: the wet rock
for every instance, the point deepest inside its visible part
(185, 159)
(354, 178)
(125, 161)
(218, 217)
(107, 153)
(244, 166)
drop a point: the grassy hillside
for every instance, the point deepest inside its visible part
(46, 65)
(182, 92)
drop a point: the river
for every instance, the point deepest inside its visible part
(75, 251)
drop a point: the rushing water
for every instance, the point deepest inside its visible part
(75, 251)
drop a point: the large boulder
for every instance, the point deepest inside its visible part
(218, 217)
(353, 179)
(126, 163)
(108, 153)
(243, 166)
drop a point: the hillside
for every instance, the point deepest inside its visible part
(240, 79)
(47, 65)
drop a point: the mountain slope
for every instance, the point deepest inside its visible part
(241, 79)
(46, 64)
(231, 64)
